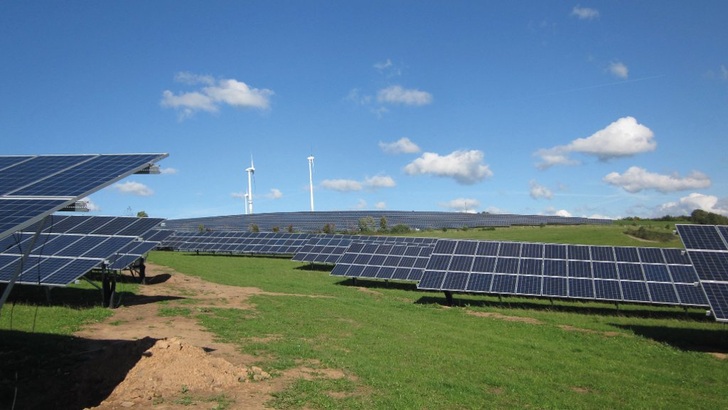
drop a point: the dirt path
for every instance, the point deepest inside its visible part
(178, 363)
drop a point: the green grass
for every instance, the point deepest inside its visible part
(580, 234)
(402, 349)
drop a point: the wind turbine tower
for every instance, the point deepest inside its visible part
(310, 178)
(249, 195)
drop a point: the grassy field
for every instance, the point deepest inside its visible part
(402, 348)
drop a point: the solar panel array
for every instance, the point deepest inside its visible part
(328, 249)
(707, 247)
(260, 243)
(34, 186)
(349, 221)
(618, 274)
(384, 261)
(68, 247)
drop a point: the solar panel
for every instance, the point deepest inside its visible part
(564, 271)
(707, 248)
(33, 187)
(260, 243)
(703, 237)
(383, 261)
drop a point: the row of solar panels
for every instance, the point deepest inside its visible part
(350, 220)
(62, 249)
(33, 186)
(609, 273)
(707, 247)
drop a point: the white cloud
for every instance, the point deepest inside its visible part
(356, 97)
(466, 167)
(687, 204)
(168, 171)
(380, 181)
(380, 205)
(186, 77)
(401, 146)
(361, 204)
(240, 195)
(539, 191)
(584, 13)
(133, 188)
(618, 69)
(636, 179)
(622, 138)
(90, 205)
(396, 94)
(468, 205)
(274, 193)
(215, 94)
(724, 72)
(341, 185)
(383, 65)
(557, 212)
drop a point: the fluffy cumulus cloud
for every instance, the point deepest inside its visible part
(538, 191)
(462, 205)
(396, 94)
(465, 167)
(341, 185)
(584, 13)
(349, 185)
(380, 205)
(168, 171)
(618, 69)
(133, 188)
(274, 193)
(622, 138)
(401, 146)
(212, 94)
(687, 204)
(380, 181)
(637, 179)
(557, 212)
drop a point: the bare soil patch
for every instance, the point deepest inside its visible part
(500, 316)
(569, 328)
(139, 359)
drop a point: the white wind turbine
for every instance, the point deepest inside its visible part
(249, 194)
(310, 178)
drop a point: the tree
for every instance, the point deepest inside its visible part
(366, 224)
(254, 228)
(329, 228)
(142, 214)
(383, 224)
(290, 228)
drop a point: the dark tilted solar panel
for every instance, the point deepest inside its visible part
(46, 270)
(598, 278)
(16, 212)
(710, 266)
(717, 294)
(129, 256)
(85, 175)
(383, 261)
(158, 235)
(36, 186)
(234, 242)
(323, 249)
(703, 237)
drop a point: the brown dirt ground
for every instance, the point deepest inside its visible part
(139, 359)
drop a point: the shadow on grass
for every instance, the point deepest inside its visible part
(239, 255)
(81, 298)
(698, 340)
(570, 306)
(63, 372)
(316, 267)
(378, 284)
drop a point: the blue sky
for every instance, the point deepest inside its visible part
(607, 109)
